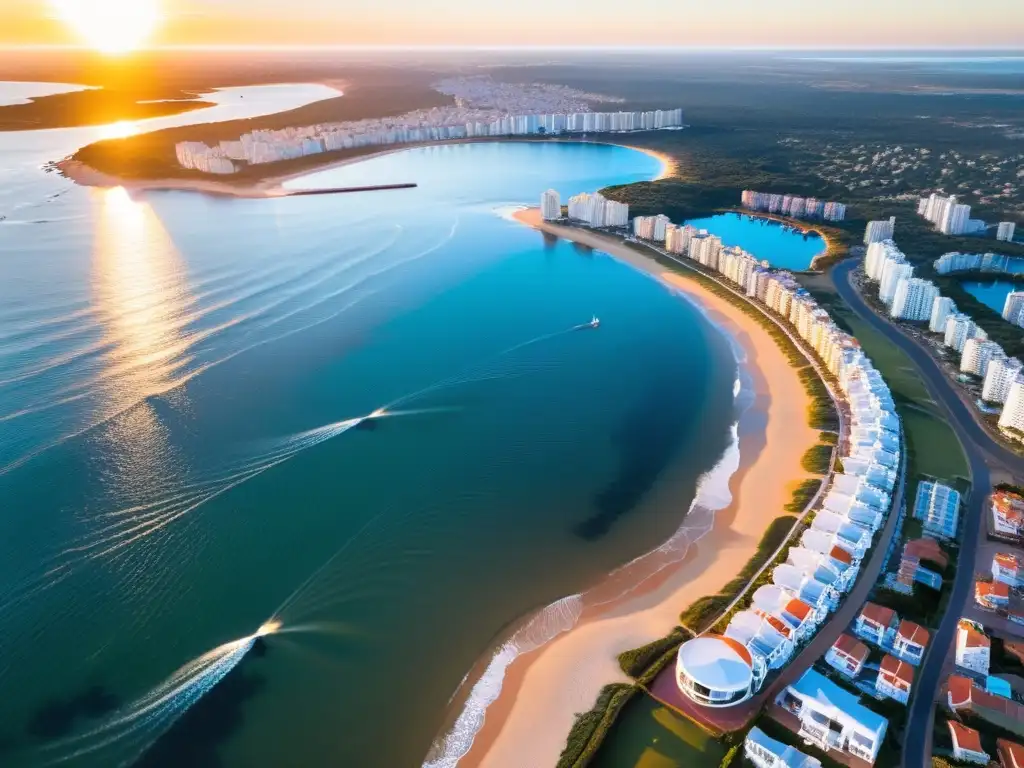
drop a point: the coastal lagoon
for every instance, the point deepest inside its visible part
(781, 245)
(991, 293)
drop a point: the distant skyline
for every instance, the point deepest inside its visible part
(549, 23)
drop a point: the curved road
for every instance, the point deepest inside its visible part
(980, 449)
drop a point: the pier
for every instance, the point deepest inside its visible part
(343, 190)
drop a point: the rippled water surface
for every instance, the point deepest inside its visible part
(184, 454)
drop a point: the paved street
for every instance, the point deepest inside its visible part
(981, 450)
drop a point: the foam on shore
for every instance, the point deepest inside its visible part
(712, 495)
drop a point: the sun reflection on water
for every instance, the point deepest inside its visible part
(119, 130)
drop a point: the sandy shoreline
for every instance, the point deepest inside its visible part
(273, 186)
(543, 689)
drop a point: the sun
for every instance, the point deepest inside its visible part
(110, 26)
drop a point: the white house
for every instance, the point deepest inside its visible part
(967, 744)
(761, 637)
(832, 718)
(973, 648)
(805, 587)
(876, 623)
(847, 655)
(766, 752)
(798, 616)
(910, 641)
(837, 573)
(1008, 568)
(895, 679)
(717, 671)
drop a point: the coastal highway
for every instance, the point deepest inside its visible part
(942, 390)
(981, 450)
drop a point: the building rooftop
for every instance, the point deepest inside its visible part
(913, 633)
(1007, 560)
(1011, 754)
(840, 554)
(716, 662)
(964, 737)
(897, 669)
(987, 589)
(926, 549)
(878, 614)
(837, 702)
(972, 638)
(960, 690)
(852, 647)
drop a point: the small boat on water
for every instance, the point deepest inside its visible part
(594, 322)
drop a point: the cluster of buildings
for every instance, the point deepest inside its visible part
(724, 670)
(793, 206)
(964, 262)
(953, 218)
(438, 124)
(911, 298)
(593, 209)
(949, 216)
(877, 231)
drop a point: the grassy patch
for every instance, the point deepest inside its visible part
(649, 735)
(591, 728)
(706, 610)
(636, 661)
(802, 495)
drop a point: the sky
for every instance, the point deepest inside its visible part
(690, 23)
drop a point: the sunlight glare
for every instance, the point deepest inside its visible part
(110, 26)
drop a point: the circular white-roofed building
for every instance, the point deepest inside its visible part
(715, 671)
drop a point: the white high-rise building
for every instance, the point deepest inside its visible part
(1005, 231)
(913, 299)
(878, 255)
(1013, 308)
(1002, 372)
(1012, 416)
(597, 211)
(955, 220)
(550, 205)
(942, 308)
(977, 354)
(892, 273)
(960, 328)
(877, 231)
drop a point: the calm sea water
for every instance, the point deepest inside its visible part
(780, 245)
(178, 460)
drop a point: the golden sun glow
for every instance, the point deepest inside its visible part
(110, 26)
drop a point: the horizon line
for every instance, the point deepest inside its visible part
(1017, 52)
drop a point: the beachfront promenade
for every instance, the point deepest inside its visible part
(665, 687)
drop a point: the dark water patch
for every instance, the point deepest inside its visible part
(194, 739)
(583, 250)
(647, 439)
(57, 717)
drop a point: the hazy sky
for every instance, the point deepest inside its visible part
(726, 23)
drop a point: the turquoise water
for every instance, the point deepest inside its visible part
(991, 293)
(180, 456)
(782, 246)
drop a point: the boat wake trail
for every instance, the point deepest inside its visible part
(117, 531)
(122, 738)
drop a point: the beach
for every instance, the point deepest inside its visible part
(272, 185)
(543, 689)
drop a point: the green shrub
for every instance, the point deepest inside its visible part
(636, 661)
(591, 728)
(817, 459)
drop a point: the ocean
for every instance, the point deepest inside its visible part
(185, 454)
